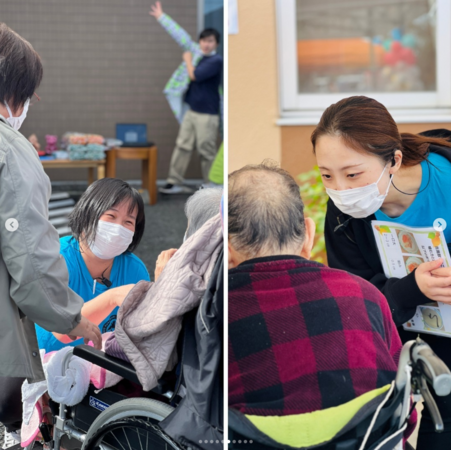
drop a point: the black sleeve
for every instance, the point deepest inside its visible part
(344, 252)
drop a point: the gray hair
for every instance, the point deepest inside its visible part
(266, 212)
(201, 207)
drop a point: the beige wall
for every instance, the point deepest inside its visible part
(253, 97)
(253, 103)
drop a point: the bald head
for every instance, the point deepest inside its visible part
(265, 211)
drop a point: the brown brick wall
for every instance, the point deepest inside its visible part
(105, 61)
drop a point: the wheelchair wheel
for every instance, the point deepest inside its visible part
(130, 424)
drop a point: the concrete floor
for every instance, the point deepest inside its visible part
(165, 227)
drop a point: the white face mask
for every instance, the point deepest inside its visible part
(359, 202)
(111, 240)
(16, 122)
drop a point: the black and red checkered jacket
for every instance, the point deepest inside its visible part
(304, 337)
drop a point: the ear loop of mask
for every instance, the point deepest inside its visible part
(415, 193)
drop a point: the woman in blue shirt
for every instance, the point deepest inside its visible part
(371, 171)
(107, 225)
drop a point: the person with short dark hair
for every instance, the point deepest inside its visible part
(107, 225)
(33, 276)
(302, 337)
(193, 93)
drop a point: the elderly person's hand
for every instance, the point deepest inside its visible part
(89, 331)
(163, 259)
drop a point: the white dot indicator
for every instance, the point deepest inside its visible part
(439, 224)
(12, 224)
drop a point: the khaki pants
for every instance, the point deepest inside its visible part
(196, 131)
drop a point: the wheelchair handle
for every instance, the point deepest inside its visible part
(431, 406)
(434, 369)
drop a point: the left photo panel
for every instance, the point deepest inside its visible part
(111, 224)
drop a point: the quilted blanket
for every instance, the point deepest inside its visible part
(150, 318)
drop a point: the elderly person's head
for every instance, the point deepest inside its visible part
(20, 75)
(201, 207)
(266, 215)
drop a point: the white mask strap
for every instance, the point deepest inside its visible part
(9, 111)
(379, 179)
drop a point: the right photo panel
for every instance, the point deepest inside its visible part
(339, 267)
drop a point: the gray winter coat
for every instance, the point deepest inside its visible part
(33, 274)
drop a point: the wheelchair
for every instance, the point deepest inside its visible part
(374, 421)
(110, 420)
(187, 407)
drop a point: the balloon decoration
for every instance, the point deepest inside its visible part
(399, 49)
(400, 71)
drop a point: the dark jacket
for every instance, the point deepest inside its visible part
(351, 246)
(305, 337)
(199, 416)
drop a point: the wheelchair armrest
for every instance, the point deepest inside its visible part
(115, 365)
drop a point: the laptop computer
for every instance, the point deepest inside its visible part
(133, 134)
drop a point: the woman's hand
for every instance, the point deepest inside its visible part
(156, 10)
(163, 259)
(434, 282)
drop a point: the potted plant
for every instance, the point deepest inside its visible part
(315, 200)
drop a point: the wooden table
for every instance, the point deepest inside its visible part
(80, 164)
(148, 156)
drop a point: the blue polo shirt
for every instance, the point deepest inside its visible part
(127, 269)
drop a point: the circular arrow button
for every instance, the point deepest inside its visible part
(439, 224)
(12, 224)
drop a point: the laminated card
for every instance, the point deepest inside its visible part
(402, 249)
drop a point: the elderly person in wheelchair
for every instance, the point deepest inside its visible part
(170, 339)
(313, 351)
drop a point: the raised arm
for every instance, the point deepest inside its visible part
(173, 28)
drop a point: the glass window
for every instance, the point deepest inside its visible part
(361, 46)
(396, 51)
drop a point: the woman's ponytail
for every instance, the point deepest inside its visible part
(415, 147)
